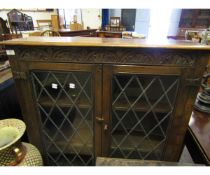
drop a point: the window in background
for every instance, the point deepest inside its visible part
(159, 23)
(66, 16)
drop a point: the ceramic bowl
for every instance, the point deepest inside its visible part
(11, 130)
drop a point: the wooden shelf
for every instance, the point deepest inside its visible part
(2, 52)
(75, 142)
(143, 106)
(203, 17)
(145, 146)
(191, 17)
(64, 102)
(187, 17)
(200, 26)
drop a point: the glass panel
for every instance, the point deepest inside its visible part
(142, 106)
(64, 101)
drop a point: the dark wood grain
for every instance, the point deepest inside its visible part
(109, 34)
(106, 115)
(175, 131)
(198, 131)
(108, 55)
(68, 32)
(184, 60)
(97, 90)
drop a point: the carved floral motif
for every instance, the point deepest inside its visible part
(106, 55)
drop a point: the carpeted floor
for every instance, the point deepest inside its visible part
(185, 157)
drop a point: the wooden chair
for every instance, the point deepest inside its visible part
(50, 33)
(19, 21)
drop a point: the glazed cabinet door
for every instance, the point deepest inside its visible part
(67, 99)
(139, 110)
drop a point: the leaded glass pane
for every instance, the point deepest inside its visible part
(142, 107)
(65, 103)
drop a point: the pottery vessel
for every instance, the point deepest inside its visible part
(12, 151)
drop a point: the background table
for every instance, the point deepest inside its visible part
(198, 137)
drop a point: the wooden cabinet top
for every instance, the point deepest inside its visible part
(105, 42)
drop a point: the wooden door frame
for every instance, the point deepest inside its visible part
(95, 69)
(109, 70)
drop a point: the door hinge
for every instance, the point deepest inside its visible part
(193, 81)
(19, 75)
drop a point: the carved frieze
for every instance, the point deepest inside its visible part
(106, 55)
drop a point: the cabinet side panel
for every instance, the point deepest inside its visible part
(24, 94)
(184, 108)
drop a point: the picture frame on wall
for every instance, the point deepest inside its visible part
(115, 21)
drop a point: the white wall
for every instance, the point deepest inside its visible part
(142, 21)
(92, 18)
(35, 15)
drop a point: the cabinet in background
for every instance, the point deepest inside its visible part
(193, 19)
